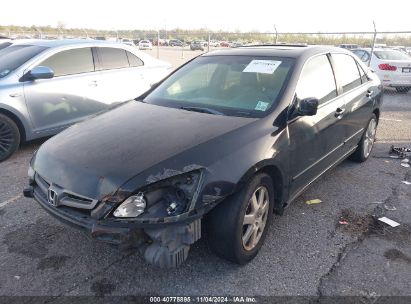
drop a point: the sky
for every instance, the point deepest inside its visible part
(261, 15)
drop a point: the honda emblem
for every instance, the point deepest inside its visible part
(52, 197)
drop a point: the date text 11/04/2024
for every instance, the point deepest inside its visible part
(204, 299)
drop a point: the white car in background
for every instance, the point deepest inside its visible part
(392, 67)
(214, 43)
(145, 45)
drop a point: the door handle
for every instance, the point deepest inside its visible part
(93, 83)
(339, 112)
(369, 93)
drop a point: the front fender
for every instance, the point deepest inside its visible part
(19, 112)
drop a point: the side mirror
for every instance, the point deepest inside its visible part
(307, 106)
(39, 72)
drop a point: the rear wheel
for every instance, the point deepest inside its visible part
(367, 141)
(402, 89)
(238, 226)
(9, 137)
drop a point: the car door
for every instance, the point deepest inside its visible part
(121, 75)
(358, 97)
(315, 141)
(69, 96)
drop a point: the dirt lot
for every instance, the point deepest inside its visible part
(307, 251)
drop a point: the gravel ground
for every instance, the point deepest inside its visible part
(306, 253)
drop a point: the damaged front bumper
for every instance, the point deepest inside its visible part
(164, 242)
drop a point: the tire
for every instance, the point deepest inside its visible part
(225, 223)
(367, 140)
(402, 89)
(9, 137)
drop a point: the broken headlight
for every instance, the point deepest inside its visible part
(131, 207)
(165, 198)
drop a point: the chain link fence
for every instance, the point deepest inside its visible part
(175, 45)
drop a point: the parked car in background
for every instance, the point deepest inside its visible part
(175, 42)
(402, 49)
(214, 43)
(128, 42)
(236, 44)
(224, 141)
(4, 44)
(224, 44)
(162, 42)
(393, 67)
(197, 45)
(46, 86)
(145, 45)
(349, 46)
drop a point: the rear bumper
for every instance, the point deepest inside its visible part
(397, 85)
(396, 82)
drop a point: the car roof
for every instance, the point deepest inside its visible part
(292, 51)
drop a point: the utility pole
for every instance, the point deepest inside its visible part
(158, 44)
(373, 42)
(276, 35)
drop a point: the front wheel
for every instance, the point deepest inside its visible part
(366, 144)
(238, 226)
(9, 137)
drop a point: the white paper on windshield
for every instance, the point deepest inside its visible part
(262, 66)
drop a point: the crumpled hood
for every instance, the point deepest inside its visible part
(96, 157)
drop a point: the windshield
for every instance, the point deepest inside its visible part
(391, 55)
(14, 56)
(232, 85)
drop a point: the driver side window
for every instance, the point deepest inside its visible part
(317, 80)
(69, 62)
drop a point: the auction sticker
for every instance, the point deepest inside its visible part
(262, 66)
(261, 106)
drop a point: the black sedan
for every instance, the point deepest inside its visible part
(224, 142)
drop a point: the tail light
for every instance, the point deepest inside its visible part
(387, 67)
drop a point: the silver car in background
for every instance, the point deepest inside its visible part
(46, 86)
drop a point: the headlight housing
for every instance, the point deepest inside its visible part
(169, 197)
(131, 207)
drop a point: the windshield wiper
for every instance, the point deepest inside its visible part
(202, 110)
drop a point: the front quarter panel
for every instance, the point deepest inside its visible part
(227, 162)
(12, 100)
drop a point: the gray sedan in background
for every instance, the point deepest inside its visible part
(46, 86)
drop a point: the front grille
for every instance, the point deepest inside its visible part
(64, 197)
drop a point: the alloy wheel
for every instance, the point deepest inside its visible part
(369, 137)
(6, 138)
(255, 218)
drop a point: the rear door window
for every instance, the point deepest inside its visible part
(112, 58)
(69, 62)
(364, 77)
(347, 71)
(317, 80)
